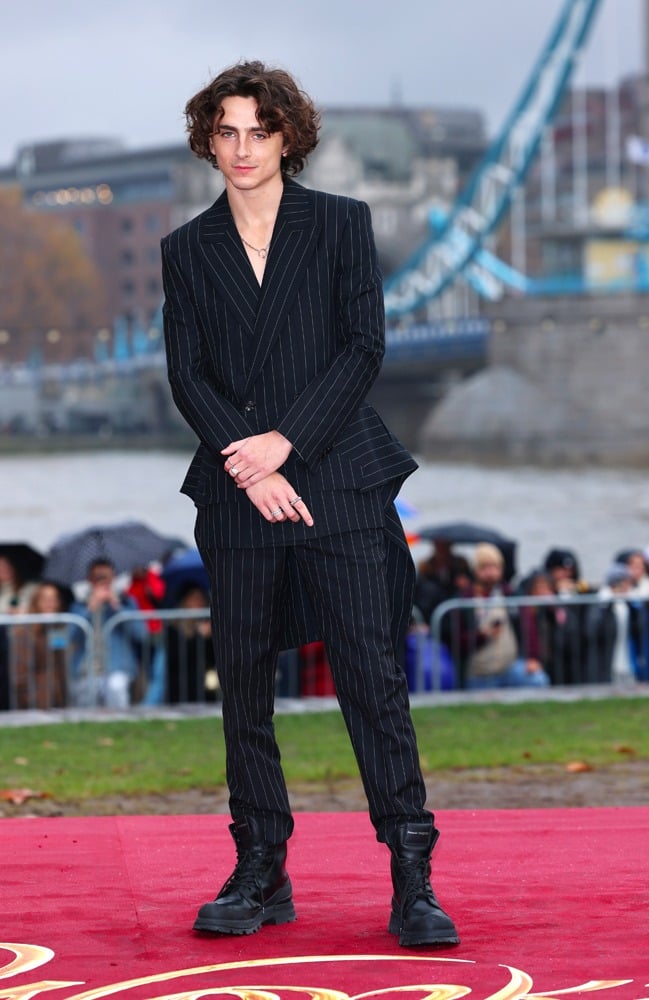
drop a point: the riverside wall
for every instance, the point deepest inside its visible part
(566, 380)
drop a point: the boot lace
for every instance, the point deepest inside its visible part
(252, 863)
(414, 881)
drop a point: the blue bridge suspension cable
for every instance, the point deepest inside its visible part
(454, 252)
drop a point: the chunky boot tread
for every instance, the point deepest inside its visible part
(218, 923)
(408, 939)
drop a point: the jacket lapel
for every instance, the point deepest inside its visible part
(261, 310)
(294, 239)
(227, 262)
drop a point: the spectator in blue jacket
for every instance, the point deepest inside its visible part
(112, 685)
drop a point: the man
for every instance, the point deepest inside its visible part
(122, 664)
(274, 332)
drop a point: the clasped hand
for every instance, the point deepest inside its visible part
(253, 463)
(254, 458)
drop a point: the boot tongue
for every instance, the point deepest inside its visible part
(241, 828)
(417, 835)
(246, 831)
(416, 839)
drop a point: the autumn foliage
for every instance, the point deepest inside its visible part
(46, 281)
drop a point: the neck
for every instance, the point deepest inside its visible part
(255, 210)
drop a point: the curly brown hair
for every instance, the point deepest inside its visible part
(281, 107)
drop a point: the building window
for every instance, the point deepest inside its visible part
(127, 257)
(152, 223)
(128, 288)
(126, 224)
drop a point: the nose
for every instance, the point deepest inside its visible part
(243, 148)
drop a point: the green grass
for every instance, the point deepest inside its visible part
(73, 761)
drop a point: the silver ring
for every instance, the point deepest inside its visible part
(294, 501)
(276, 512)
(233, 470)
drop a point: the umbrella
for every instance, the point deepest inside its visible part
(404, 509)
(182, 571)
(467, 533)
(27, 562)
(126, 545)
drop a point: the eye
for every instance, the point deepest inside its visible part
(259, 136)
(226, 133)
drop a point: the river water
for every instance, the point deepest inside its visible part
(595, 512)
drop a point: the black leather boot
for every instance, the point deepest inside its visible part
(258, 891)
(416, 915)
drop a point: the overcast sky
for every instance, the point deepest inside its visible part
(124, 68)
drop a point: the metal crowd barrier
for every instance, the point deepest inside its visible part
(38, 665)
(61, 660)
(573, 636)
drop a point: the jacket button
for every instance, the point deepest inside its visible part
(249, 406)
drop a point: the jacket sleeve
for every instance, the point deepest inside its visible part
(212, 417)
(326, 405)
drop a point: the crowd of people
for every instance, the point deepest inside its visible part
(147, 661)
(513, 632)
(47, 664)
(493, 638)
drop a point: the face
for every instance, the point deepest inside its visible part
(636, 566)
(248, 156)
(563, 579)
(195, 598)
(489, 573)
(541, 587)
(6, 571)
(47, 600)
(101, 576)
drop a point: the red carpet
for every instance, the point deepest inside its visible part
(547, 902)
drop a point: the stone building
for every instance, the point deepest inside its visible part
(402, 161)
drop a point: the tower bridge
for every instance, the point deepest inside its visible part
(455, 308)
(561, 366)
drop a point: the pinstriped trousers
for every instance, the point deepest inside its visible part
(346, 581)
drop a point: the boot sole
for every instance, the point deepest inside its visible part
(281, 914)
(409, 940)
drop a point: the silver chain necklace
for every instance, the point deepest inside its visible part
(263, 251)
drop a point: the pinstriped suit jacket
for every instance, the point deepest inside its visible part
(298, 354)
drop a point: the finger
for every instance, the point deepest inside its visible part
(249, 476)
(232, 447)
(295, 509)
(303, 511)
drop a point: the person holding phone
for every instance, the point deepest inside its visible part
(495, 659)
